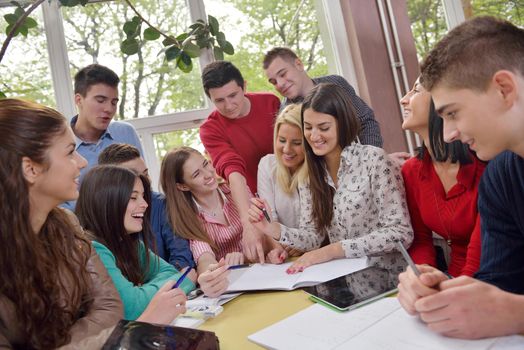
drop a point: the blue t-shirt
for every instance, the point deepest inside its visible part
(170, 247)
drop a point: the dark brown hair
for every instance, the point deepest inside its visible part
(104, 195)
(92, 75)
(283, 52)
(118, 153)
(44, 274)
(181, 208)
(469, 55)
(329, 99)
(219, 73)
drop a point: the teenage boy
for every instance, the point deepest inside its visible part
(286, 72)
(169, 246)
(96, 98)
(236, 135)
(481, 99)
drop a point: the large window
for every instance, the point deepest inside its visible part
(22, 75)
(427, 24)
(255, 26)
(149, 84)
(511, 10)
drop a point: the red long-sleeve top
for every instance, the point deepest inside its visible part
(452, 215)
(237, 145)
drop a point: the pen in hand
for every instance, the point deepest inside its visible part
(408, 258)
(263, 210)
(182, 278)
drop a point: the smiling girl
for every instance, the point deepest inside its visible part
(113, 207)
(54, 289)
(442, 189)
(202, 210)
(355, 195)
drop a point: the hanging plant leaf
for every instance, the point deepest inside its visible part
(192, 50)
(213, 24)
(169, 41)
(172, 53)
(129, 46)
(2, 95)
(11, 18)
(30, 23)
(219, 54)
(23, 30)
(151, 34)
(71, 3)
(221, 39)
(228, 48)
(184, 62)
(131, 28)
(19, 12)
(182, 37)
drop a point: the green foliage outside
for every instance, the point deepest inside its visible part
(429, 25)
(150, 84)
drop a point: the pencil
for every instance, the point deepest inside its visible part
(182, 278)
(408, 258)
(264, 210)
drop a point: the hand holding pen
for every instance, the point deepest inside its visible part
(263, 208)
(417, 282)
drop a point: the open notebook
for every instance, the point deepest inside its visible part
(274, 277)
(377, 326)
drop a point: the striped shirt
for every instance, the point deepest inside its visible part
(227, 238)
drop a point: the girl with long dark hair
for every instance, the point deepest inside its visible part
(113, 207)
(355, 195)
(54, 289)
(442, 188)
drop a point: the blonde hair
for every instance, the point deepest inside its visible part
(181, 208)
(287, 181)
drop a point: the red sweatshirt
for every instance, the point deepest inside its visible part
(452, 215)
(236, 145)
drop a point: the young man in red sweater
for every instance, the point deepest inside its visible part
(236, 135)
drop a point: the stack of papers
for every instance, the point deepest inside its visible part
(377, 326)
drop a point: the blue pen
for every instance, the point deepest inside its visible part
(241, 266)
(181, 279)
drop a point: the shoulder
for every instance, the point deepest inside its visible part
(121, 126)
(103, 251)
(505, 166)
(368, 153)
(213, 120)
(333, 78)
(411, 165)
(262, 97)
(268, 161)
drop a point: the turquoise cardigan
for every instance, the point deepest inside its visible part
(136, 298)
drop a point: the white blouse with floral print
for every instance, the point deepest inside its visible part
(370, 211)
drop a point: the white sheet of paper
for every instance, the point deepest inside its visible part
(382, 325)
(270, 276)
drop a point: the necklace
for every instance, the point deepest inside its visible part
(216, 208)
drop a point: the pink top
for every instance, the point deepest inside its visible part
(227, 238)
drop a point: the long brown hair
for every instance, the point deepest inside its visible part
(101, 207)
(44, 274)
(333, 100)
(182, 210)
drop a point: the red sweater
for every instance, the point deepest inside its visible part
(453, 215)
(236, 145)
